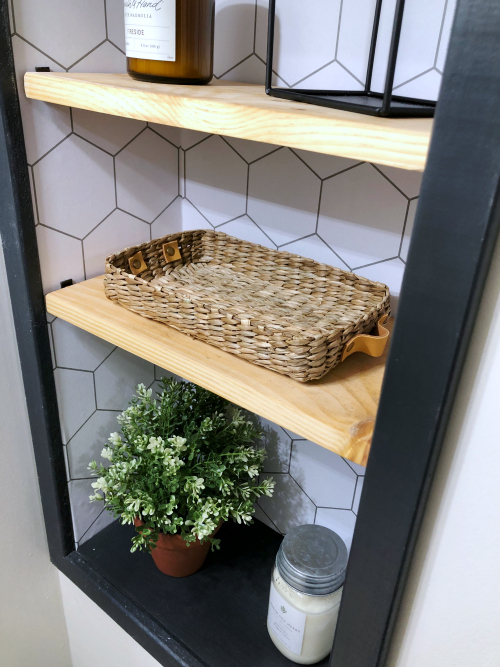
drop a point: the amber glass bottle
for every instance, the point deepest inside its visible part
(170, 41)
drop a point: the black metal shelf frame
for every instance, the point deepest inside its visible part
(455, 231)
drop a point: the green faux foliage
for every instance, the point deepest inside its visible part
(183, 463)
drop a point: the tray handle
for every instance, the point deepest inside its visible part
(373, 345)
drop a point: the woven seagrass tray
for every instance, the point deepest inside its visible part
(275, 309)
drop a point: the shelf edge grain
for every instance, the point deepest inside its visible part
(242, 111)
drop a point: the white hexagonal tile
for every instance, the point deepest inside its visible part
(289, 506)
(117, 378)
(446, 33)
(325, 165)
(251, 70)
(44, 125)
(192, 218)
(116, 23)
(111, 133)
(250, 150)
(106, 58)
(331, 77)
(170, 221)
(60, 257)
(313, 247)
(75, 187)
(277, 445)
(362, 216)
(88, 443)
(357, 495)
(358, 469)
(33, 194)
(405, 245)
(178, 136)
(147, 176)
(234, 33)
(103, 521)
(409, 182)
(260, 515)
(11, 18)
(261, 28)
(84, 512)
(66, 464)
(341, 522)
(425, 87)
(78, 349)
(79, 27)
(75, 398)
(324, 476)
(283, 196)
(355, 35)
(390, 273)
(120, 230)
(245, 229)
(216, 180)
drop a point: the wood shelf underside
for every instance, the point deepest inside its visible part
(337, 412)
(243, 111)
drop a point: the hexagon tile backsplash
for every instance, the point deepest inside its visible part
(101, 183)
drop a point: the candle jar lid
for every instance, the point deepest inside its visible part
(313, 560)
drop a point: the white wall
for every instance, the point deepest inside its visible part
(451, 611)
(32, 627)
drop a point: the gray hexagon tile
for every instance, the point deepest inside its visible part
(106, 58)
(426, 86)
(78, 349)
(260, 515)
(325, 165)
(60, 257)
(83, 511)
(115, 23)
(111, 133)
(192, 218)
(331, 77)
(75, 187)
(355, 34)
(147, 173)
(289, 505)
(283, 196)
(409, 182)
(445, 35)
(251, 70)
(313, 247)
(76, 399)
(390, 273)
(305, 40)
(357, 495)
(118, 231)
(216, 180)
(51, 343)
(324, 476)
(244, 228)
(11, 18)
(234, 33)
(170, 221)
(358, 469)
(33, 194)
(178, 136)
(79, 26)
(277, 445)
(405, 244)
(88, 443)
(103, 520)
(362, 216)
(342, 522)
(45, 125)
(250, 150)
(117, 378)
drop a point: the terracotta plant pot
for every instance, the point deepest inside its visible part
(174, 557)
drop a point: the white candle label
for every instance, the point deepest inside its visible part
(150, 29)
(286, 623)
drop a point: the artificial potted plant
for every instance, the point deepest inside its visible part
(184, 463)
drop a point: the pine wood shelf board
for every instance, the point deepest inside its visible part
(337, 412)
(243, 111)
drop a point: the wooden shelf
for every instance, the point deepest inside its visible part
(337, 412)
(243, 111)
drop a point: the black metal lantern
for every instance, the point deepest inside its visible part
(366, 101)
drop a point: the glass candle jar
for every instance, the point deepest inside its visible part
(306, 590)
(170, 41)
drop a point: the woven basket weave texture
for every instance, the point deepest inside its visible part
(272, 308)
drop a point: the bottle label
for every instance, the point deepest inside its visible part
(285, 622)
(150, 29)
